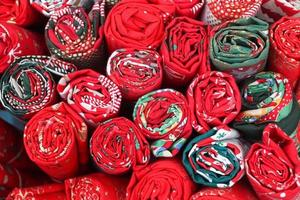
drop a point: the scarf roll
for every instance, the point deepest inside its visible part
(163, 116)
(135, 71)
(241, 47)
(214, 99)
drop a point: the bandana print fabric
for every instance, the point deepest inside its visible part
(214, 99)
(163, 116)
(135, 71)
(93, 96)
(163, 179)
(240, 48)
(56, 140)
(117, 145)
(184, 50)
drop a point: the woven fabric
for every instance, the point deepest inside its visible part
(184, 50)
(135, 71)
(241, 47)
(214, 99)
(164, 117)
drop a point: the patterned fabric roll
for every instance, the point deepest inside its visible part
(216, 158)
(117, 145)
(163, 116)
(241, 47)
(266, 97)
(214, 99)
(185, 50)
(56, 140)
(285, 49)
(163, 179)
(135, 71)
(137, 24)
(273, 167)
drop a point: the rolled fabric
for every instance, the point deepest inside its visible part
(216, 158)
(297, 91)
(240, 48)
(164, 117)
(273, 167)
(135, 71)
(266, 98)
(285, 48)
(163, 179)
(185, 50)
(214, 99)
(137, 24)
(56, 140)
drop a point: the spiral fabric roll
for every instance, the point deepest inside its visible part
(241, 47)
(163, 116)
(135, 71)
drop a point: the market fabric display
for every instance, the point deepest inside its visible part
(241, 47)
(163, 116)
(214, 99)
(135, 71)
(273, 166)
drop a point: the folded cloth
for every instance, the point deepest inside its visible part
(56, 140)
(216, 158)
(93, 96)
(16, 42)
(184, 50)
(266, 98)
(273, 167)
(135, 71)
(136, 24)
(241, 47)
(214, 99)
(73, 36)
(164, 117)
(218, 11)
(285, 48)
(163, 179)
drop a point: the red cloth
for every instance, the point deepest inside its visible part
(297, 91)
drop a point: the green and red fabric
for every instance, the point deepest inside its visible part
(273, 166)
(137, 24)
(55, 140)
(163, 179)
(184, 50)
(240, 47)
(266, 98)
(135, 71)
(117, 146)
(214, 99)
(163, 116)
(216, 158)
(297, 91)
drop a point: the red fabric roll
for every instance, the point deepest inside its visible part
(56, 140)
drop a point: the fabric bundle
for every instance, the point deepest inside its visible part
(240, 47)
(214, 99)
(184, 50)
(93, 96)
(163, 179)
(117, 145)
(216, 158)
(135, 71)
(266, 98)
(163, 116)
(56, 140)
(273, 167)
(137, 25)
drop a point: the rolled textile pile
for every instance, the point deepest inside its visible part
(216, 158)
(163, 116)
(241, 47)
(135, 71)
(214, 99)
(184, 50)
(93, 96)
